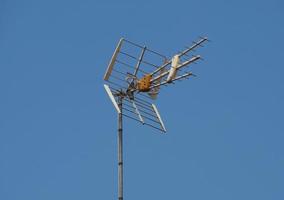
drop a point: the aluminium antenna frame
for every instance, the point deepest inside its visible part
(132, 85)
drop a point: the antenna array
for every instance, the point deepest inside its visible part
(138, 73)
(135, 76)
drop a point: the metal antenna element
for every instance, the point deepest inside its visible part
(134, 77)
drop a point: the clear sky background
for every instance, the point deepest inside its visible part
(58, 127)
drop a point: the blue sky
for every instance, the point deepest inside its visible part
(58, 127)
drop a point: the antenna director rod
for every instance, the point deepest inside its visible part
(196, 44)
(162, 67)
(175, 79)
(193, 59)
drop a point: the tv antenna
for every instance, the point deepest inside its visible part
(135, 76)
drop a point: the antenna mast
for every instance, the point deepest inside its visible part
(119, 150)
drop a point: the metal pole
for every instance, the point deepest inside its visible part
(120, 158)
